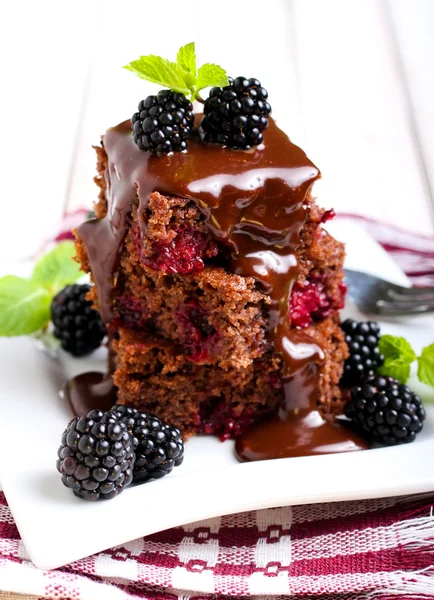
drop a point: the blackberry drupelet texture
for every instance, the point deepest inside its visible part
(388, 411)
(362, 340)
(76, 324)
(158, 446)
(163, 122)
(127, 415)
(236, 115)
(96, 456)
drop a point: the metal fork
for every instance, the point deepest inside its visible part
(373, 295)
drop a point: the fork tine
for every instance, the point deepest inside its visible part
(378, 296)
(411, 294)
(402, 308)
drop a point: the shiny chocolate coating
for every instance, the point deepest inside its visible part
(253, 204)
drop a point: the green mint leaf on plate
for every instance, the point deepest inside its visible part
(425, 366)
(210, 75)
(57, 268)
(398, 369)
(398, 356)
(393, 347)
(186, 58)
(24, 306)
(159, 70)
(181, 76)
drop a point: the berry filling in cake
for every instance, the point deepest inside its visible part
(185, 253)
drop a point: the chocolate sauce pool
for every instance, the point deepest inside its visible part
(252, 202)
(88, 391)
(298, 428)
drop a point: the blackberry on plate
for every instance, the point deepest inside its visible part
(96, 456)
(237, 114)
(77, 325)
(387, 410)
(163, 122)
(362, 340)
(158, 446)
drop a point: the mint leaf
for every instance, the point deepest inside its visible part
(398, 356)
(186, 58)
(161, 71)
(210, 75)
(398, 369)
(393, 347)
(180, 76)
(24, 306)
(425, 367)
(57, 268)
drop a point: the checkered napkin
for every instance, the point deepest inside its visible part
(355, 550)
(372, 549)
(414, 253)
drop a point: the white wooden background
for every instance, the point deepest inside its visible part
(351, 81)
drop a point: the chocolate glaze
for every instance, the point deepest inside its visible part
(252, 202)
(88, 391)
(305, 433)
(298, 428)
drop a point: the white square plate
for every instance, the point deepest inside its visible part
(57, 528)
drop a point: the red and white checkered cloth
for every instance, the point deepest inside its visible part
(372, 549)
(359, 550)
(413, 252)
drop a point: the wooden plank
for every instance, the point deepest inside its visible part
(355, 113)
(114, 92)
(256, 40)
(412, 30)
(46, 48)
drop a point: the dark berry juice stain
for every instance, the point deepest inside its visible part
(88, 391)
(198, 338)
(216, 417)
(131, 313)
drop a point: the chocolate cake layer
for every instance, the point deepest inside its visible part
(191, 332)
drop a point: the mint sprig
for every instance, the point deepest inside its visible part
(399, 356)
(425, 366)
(25, 303)
(181, 76)
(24, 306)
(57, 268)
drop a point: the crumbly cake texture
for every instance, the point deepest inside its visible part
(193, 348)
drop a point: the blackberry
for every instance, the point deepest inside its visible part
(236, 115)
(362, 341)
(163, 122)
(388, 411)
(77, 325)
(96, 456)
(158, 446)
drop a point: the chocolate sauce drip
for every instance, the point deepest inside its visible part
(88, 391)
(252, 202)
(298, 428)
